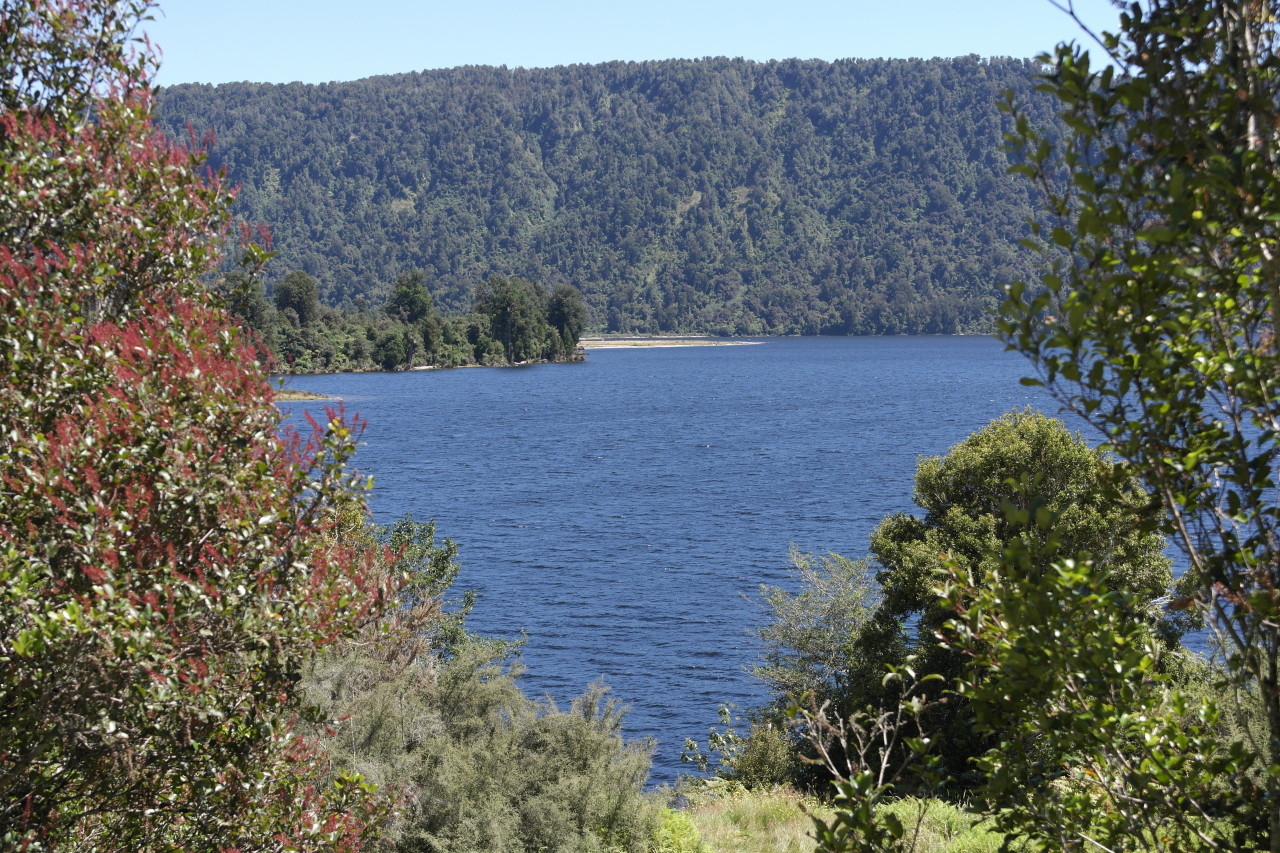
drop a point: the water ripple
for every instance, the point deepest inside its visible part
(624, 511)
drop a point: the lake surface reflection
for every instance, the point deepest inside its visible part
(623, 512)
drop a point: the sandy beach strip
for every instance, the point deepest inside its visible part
(660, 341)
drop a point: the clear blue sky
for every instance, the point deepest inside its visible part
(274, 41)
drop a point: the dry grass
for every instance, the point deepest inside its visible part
(753, 821)
(731, 820)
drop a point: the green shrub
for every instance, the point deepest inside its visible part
(765, 758)
(677, 834)
(421, 707)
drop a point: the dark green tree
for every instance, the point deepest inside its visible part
(984, 494)
(516, 311)
(410, 300)
(299, 292)
(1023, 462)
(838, 637)
(390, 352)
(567, 315)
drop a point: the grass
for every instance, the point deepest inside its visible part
(945, 828)
(732, 820)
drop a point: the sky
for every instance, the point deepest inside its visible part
(272, 41)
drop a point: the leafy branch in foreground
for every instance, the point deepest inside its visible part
(1156, 318)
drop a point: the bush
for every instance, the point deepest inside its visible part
(421, 707)
(677, 834)
(165, 564)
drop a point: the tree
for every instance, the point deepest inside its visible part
(1156, 319)
(976, 500)
(165, 568)
(410, 300)
(567, 315)
(850, 624)
(517, 316)
(825, 639)
(1101, 734)
(1039, 674)
(298, 291)
(389, 352)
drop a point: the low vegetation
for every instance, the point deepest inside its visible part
(729, 818)
(421, 707)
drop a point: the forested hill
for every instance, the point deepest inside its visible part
(713, 195)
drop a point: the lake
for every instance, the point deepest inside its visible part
(623, 512)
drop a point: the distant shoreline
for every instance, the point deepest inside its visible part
(655, 341)
(293, 395)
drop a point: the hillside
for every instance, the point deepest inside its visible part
(714, 195)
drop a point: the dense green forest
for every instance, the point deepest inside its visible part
(713, 195)
(512, 321)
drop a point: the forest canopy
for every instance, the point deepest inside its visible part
(715, 195)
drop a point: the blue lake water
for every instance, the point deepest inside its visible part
(623, 512)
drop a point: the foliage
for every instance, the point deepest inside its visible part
(677, 834)
(1157, 320)
(874, 755)
(410, 301)
(1102, 746)
(427, 572)
(165, 566)
(827, 639)
(297, 292)
(302, 336)
(975, 500)
(946, 827)
(422, 707)
(824, 643)
(524, 322)
(565, 780)
(972, 498)
(938, 826)
(1155, 323)
(765, 758)
(849, 625)
(718, 818)
(713, 195)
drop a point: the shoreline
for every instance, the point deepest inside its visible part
(660, 341)
(293, 395)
